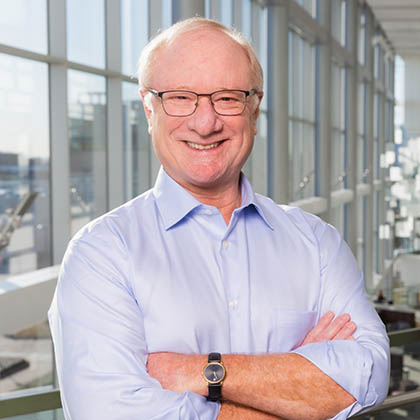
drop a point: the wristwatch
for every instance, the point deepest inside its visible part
(214, 373)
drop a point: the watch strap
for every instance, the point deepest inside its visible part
(215, 357)
(215, 392)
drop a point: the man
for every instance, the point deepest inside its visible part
(201, 273)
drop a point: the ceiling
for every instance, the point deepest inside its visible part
(400, 19)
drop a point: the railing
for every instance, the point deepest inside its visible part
(50, 400)
(30, 403)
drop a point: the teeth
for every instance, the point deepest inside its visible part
(202, 147)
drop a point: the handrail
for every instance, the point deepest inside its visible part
(404, 337)
(50, 400)
(394, 401)
(30, 403)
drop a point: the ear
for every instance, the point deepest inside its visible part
(256, 113)
(147, 106)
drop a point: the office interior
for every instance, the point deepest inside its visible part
(338, 136)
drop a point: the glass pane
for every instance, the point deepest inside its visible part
(338, 174)
(258, 158)
(361, 139)
(137, 143)
(309, 6)
(135, 32)
(337, 219)
(338, 21)
(361, 232)
(44, 415)
(86, 32)
(23, 24)
(362, 39)
(87, 132)
(291, 75)
(213, 9)
(24, 165)
(25, 356)
(302, 163)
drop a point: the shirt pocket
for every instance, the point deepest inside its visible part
(289, 328)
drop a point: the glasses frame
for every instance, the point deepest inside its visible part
(160, 94)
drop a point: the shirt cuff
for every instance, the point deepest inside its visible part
(349, 365)
(206, 410)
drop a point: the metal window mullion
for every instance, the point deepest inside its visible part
(59, 137)
(115, 146)
(277, 94)
(183, 9)
(60, 149)
(352, 123)
(370, 29)
(156, 22)
(323, 102)
(382, 204)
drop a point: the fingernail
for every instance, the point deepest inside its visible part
(351, 325)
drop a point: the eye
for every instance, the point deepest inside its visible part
(227, 97)
(179, 97)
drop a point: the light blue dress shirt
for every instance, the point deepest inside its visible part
(163, 273)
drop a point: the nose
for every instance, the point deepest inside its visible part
(205, 121)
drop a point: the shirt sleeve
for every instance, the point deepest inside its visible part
(361, 367)
(100, 344)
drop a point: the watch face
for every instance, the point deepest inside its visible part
(214, 372)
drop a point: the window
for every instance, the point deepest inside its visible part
(361, 232)
(310, 6)
(362, 164)
(378, 61)
(135, 32)
(137, 143)
(301, 117)
(377, 121)
(23, 24)
(24, 162)
(338, 135)
(24, 168)
(339, 21)
(86, 32)
(362, 39)
(87, 132)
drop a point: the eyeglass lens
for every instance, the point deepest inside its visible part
(181, 103)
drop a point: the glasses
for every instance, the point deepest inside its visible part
(182, 103)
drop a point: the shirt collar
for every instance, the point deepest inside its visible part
(249, 198)
(174, 202)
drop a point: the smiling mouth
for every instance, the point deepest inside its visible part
(204, 147)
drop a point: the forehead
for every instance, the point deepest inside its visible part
(202, 59)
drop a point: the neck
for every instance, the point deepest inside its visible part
(225, 198)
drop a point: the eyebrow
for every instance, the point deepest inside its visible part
(189, 89)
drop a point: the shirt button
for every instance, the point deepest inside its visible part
(208, 211)
(233, 303)
(225, 244)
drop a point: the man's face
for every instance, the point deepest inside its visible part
(203, 62)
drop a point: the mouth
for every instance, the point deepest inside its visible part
(204, 146)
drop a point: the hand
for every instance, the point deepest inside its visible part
(178, 372)
(328, 328)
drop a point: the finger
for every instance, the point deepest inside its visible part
(332, 330)
(317, 333)
(346, 332)
(322, 324)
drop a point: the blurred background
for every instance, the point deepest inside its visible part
(338, 135)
